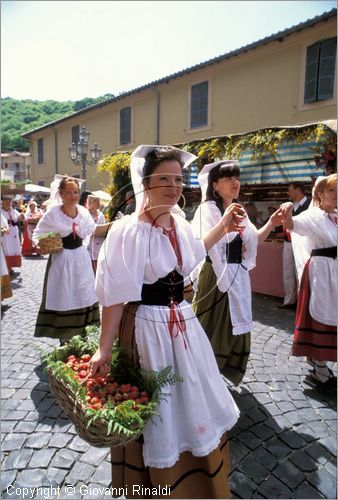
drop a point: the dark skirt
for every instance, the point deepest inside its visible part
(212, 309)
(64, 325)
(6, 287)
(190, 477)
(312, 338)
(13, 261)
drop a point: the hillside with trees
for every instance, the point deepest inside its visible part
(19, 116)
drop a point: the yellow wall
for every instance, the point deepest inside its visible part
(260, 88)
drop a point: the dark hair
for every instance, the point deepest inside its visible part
(221, 170)
(157, 156)
(298, 185)
(83, 197)
(68, 180)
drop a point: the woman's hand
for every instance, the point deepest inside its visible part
(100, 363)
(276, 219)
(286, 209)
(233, 216)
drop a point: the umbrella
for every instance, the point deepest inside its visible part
(35, 188)
(102, 195)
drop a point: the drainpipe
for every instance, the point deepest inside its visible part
(157, 92)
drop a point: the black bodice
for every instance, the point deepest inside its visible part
(164, 291)
(233, 251)
(70, 242)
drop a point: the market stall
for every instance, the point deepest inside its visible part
(270, 159)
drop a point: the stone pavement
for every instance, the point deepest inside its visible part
(284, 445)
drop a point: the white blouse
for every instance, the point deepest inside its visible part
(71, 282)
(135, 252)
(313, 229)
(196, 412)
(231, 278)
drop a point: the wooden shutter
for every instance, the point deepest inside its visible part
(125, 125)
(199, 105)
(40, 151)
(327, 64)
(311, 74)
(75, 134)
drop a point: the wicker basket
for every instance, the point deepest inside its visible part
(96, 433)
(50, 244)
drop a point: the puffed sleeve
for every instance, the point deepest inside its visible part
(308, 222)
(250, 242)
(121, 264)
(45, 225)
(86, 224)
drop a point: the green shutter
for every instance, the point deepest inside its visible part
(312, 60)
(327, 65)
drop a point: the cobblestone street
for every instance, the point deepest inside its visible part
(284, 445)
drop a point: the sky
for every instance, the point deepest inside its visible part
(68, 50)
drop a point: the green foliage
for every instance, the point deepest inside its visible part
(261, 142)
(20, 116)
(122, 418)
(117, 165)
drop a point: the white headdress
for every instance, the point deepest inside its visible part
(136, 170)
(55, 197)
(203, 176)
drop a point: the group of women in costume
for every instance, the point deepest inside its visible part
(143, 266)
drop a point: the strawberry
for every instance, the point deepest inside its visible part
(125, 388)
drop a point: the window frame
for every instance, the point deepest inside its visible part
(208, 124)
(75, 131)
(40, 153)
(131, 127)
(303, 106)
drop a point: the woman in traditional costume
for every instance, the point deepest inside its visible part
(11, 240)
(222, 299)
(6, 288)
(94, 242)
(69, 301)
(32, 217)
(139, 282)
(315, 231)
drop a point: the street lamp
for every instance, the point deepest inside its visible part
(78, 153)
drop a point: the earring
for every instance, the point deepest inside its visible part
(215, 193)
(184, 201)
(147, 200)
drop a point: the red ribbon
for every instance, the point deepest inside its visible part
(74, 230)
(177, 319)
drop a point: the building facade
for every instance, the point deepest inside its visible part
(16, 166)
(286, 79)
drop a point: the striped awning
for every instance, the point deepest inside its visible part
(293, 162)
(191, 181)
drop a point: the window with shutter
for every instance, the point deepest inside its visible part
(75, 134)
(125, 126)
(40, 151)
(326, 68)
(320, 70)
(199, 105)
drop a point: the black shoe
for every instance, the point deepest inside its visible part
(287, 306)
(330, 382)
